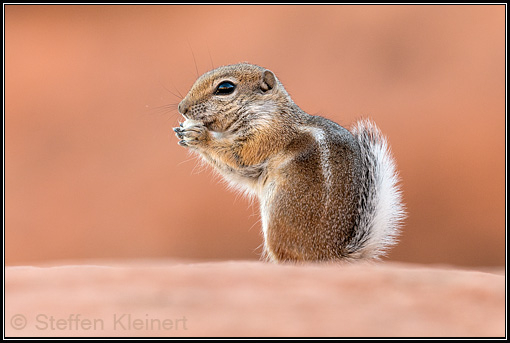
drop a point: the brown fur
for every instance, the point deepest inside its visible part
(305, 170)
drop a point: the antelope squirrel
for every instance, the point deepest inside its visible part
(326, 193)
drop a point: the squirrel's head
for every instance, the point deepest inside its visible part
(226, 94)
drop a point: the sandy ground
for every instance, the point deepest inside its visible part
(242, 298)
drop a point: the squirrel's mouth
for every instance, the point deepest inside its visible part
(208, 123)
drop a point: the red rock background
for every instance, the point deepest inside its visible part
(93, 170)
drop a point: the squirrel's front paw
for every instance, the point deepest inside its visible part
(192, 134)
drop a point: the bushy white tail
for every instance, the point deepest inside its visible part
(381, 211)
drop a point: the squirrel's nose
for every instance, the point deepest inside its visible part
(182, 108)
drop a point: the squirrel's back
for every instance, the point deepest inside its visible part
(338, 196)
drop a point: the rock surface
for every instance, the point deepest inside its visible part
(242, 298)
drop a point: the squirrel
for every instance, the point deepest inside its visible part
(325, 193)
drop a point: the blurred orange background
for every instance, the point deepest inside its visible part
(93, 169)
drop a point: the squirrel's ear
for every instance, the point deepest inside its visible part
(268, 81)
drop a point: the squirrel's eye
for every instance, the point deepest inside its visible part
(224, 88)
